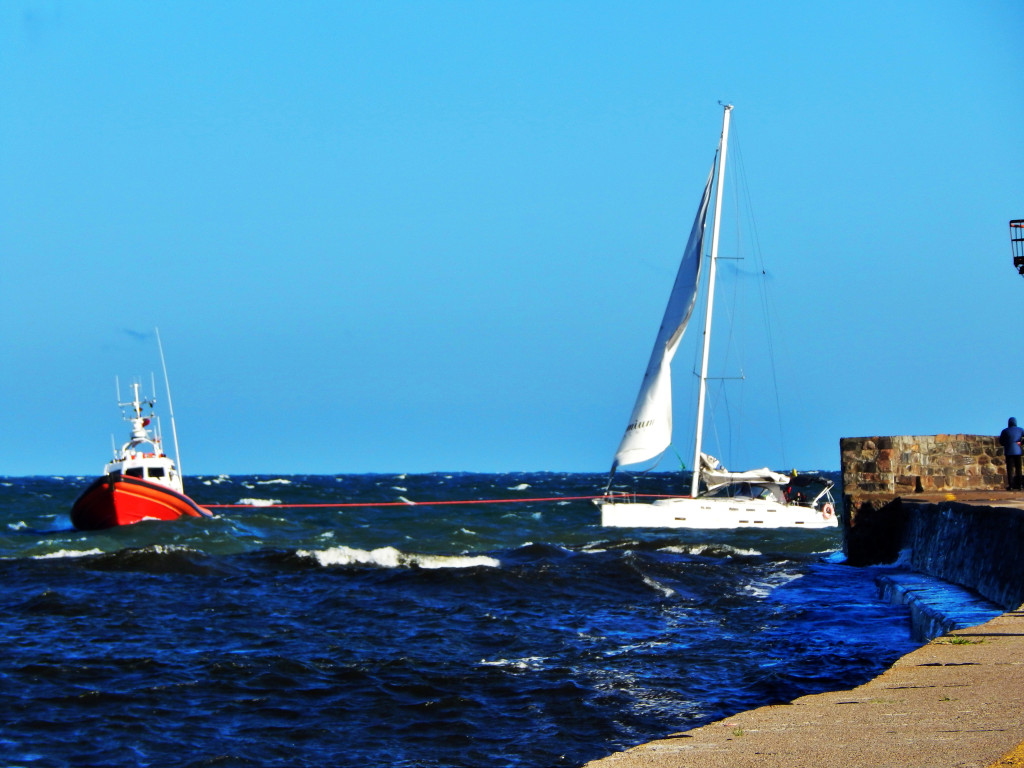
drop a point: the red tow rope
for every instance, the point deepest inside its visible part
(422, 503)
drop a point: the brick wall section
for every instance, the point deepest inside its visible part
(901, 466)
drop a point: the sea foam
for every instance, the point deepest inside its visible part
(389, 557)
(68, 553)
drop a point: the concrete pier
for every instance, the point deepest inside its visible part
(957, 702)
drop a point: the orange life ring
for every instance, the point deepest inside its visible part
(828, 510)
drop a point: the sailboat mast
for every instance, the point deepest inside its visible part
(711, 300)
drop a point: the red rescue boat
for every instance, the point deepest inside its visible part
(141, 483)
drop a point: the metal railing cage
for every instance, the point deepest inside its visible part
(1017, 244)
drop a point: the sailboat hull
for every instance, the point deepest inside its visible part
(114, 500)
(711, 513)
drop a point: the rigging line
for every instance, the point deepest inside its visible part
(739, 333)
(449, 502)
(170, 406)
(722, 396)
(682, 464)
(763, 291)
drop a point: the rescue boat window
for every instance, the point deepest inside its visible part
(134, 472)
(155, 472)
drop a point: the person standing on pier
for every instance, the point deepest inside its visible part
(1010, 439)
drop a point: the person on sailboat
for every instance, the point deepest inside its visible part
(1010, 439)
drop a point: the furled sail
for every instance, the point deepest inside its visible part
(650, 427)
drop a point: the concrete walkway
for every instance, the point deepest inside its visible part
(957, 702)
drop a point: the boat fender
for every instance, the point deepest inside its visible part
(828, 511)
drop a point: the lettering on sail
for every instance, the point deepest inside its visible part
(640, 425)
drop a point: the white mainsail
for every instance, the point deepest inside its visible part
(650, 426)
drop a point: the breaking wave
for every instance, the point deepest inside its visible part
(390, 557)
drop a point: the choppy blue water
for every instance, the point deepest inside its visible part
(513, 634)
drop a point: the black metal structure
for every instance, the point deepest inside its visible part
(1017, 244)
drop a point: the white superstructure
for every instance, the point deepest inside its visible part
(143, 455)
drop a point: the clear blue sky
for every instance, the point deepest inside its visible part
(416, 236)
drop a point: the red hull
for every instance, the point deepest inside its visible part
(120, 500)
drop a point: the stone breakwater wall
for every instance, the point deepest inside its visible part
(877, 470)
(935, 499)
(899, 466)
(978, 547)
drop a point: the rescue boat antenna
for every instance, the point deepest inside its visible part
(157, 430)
(1017, 244)
(170, 406)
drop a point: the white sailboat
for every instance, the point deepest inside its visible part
(758, 498)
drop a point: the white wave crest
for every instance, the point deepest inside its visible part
(166, 549)
(18, 526)
(389, 557)
(68, 553)
(762, 589)
(258, 502)
(710, 549)
(278, 481)
(658, 586)
(520, 487)
(529, 662)
(903, 560)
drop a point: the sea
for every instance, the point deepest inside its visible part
(503, 627)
